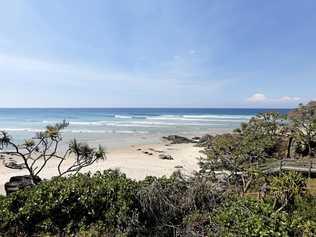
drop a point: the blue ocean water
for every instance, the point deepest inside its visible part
(124, 125)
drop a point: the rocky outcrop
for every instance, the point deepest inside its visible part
(14, 165)
(175, 139)
(205, 141)
(165, 157)
(20, 182)
(147, 153)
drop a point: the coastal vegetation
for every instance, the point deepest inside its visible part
(236, 192)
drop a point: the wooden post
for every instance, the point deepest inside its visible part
(281, 165)
(310, 169)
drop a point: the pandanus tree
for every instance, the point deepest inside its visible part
(285, 187)
(34, 154)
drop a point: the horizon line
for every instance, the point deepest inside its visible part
(121, 107)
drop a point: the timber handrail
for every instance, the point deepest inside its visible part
(305, 166)
(298, 165)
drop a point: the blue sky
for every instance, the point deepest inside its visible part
(159, 53)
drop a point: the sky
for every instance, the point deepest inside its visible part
(157, 53)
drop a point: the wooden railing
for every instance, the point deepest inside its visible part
(304, 166)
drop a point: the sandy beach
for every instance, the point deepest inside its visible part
(131, 160)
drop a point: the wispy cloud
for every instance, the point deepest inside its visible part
(289, 98)
(257, 98)
(173, 84)
(177, 70)
(262, 98)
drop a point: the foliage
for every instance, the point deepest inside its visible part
(166, 201)
(303, 216)
(303, 129)
(263, 135)
(110, 204)
(239, 160)
(66, 205)
(285, 187)
(248, 217)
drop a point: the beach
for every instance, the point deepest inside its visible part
(136, 161)
(132, 137)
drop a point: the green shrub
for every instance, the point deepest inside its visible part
(66, 205)
(165, 202)
(249, 217)
(109, 204)
(303, 218)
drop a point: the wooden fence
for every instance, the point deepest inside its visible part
(303, 166)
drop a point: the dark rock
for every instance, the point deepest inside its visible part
(20, 182)
(178, 167)
(165, 157)
(14, 165)
(148, 153)
(205, 141)
(175, 139)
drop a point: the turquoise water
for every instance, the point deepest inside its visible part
(115, 126)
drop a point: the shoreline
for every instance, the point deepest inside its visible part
(136, 161)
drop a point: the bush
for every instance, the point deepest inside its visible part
(303, 218)
(166, 202)
(242, 216)
(107, 203)
(66, 205)
(248, 217)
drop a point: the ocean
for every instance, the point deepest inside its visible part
(116, 127)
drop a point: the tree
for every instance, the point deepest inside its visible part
(229, 155)
(240, 154)
(35, 153)
(264, 135)
(303, 126)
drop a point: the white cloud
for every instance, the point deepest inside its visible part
(260, 98)
(257, 98)
(289, 98)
